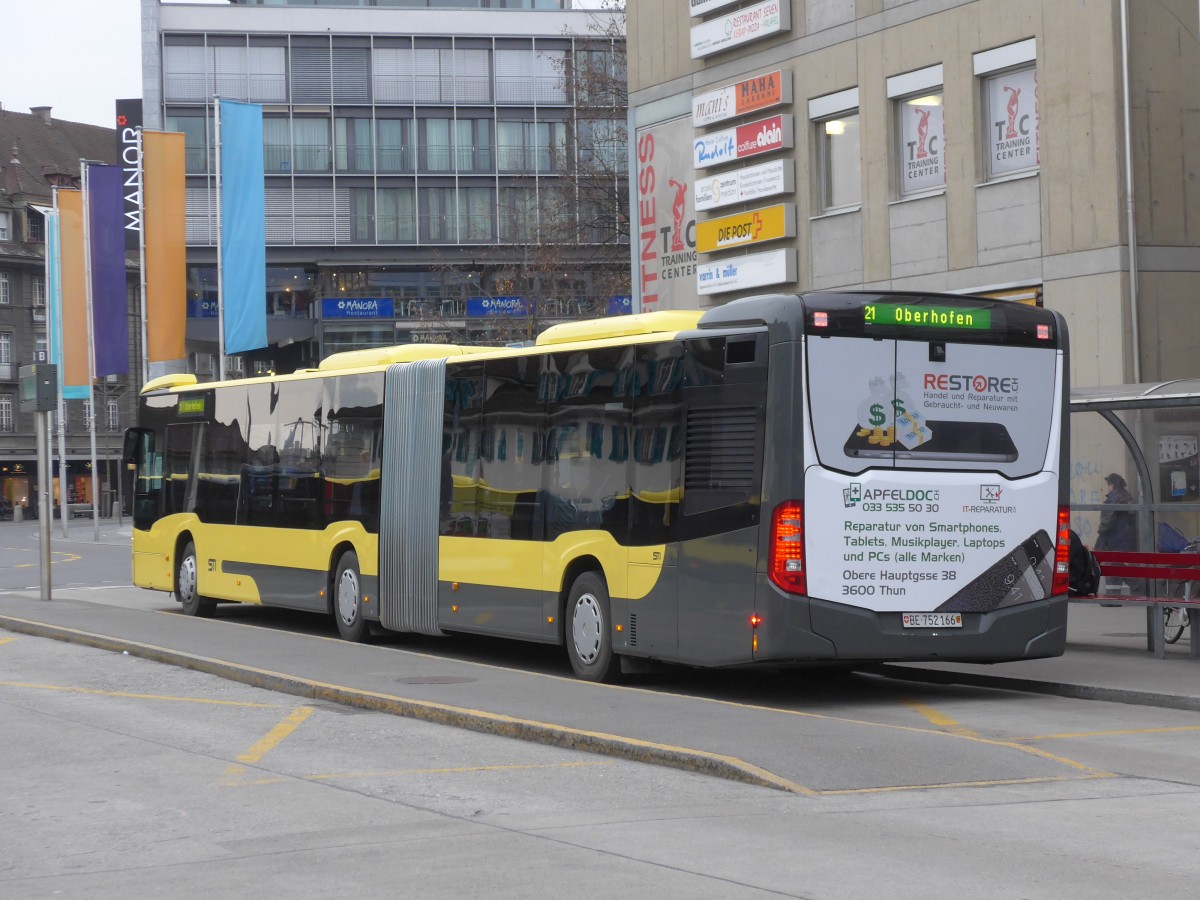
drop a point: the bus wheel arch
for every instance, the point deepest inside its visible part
(187, 580)
(587, 623)
(346, 595)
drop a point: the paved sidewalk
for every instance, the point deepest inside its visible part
(1106, 659)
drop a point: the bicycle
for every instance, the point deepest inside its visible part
(1175, 618)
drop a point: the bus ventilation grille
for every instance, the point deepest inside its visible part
(721, 448)
(633, 630)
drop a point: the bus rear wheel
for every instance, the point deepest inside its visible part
(348, 599)
(187, 585)
(589, 629)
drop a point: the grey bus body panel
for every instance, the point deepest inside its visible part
(408, 513)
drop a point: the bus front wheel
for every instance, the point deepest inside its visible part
(187, 585)
(348, 599)
(589, 629)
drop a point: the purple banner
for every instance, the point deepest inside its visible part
(106, 247)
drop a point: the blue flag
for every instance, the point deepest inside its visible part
(106, 250)
(243, 228)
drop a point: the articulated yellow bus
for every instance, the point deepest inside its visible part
(837, 477)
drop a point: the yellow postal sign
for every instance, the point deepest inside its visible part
(752, 227)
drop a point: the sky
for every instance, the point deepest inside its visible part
(77, 56)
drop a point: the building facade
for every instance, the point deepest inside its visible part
(987, 146)
(434, 172)
(40, 154)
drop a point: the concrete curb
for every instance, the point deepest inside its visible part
(617, 746)
(1029, 686)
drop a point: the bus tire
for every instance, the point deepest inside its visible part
(588, 629)
(348, 599)
(187, 585)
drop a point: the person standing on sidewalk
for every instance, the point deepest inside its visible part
(1118, 527)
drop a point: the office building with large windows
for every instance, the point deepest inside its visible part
(440, 172)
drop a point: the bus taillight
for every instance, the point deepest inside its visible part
(1062, 552)
(786, 563)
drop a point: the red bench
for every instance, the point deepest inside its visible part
(1151, 568)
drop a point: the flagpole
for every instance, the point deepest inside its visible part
(220, 228)
(142, 262)
(91, 343)
(53, 283)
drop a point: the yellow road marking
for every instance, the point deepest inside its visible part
(128, 695)
(1087, 734)
(272, 738)
(396, 773)
(941, 720)
(4, 641)
(962, 784)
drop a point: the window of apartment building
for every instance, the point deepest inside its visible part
(518, 214)
(312, 147)
(362, 215)
(6, 413)
(33, 225)
(527, 75)
(473, 145)
(266, 72)
(439, 214)
(598, 76)
(527, 146)
(394, 145)
(87, 415)
(603, 146)
(277, 144)
(351, 75)
(5, 225)
(478, 220)
(194, 143)
(835, 117)
(5, 290)
(352, 145)
(1008, 83)
(396, 216)
(920, 130)
(39, 290)
(41, 347)
(5, 348)
(114, 415)
(309, 75)
(434, 140)
(313, 219)
(184, 77)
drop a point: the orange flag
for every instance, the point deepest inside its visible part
(166, 245)
(75, 372)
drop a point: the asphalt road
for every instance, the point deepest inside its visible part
(125, 777)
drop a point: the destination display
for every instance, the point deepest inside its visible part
(922, 316)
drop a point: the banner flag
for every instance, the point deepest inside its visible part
(71, 317)
(166, 245)
(243, 228)
(106, 246)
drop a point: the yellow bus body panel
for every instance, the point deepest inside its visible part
(222, 546)
(537, 565)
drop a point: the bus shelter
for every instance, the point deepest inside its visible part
(1149, 436)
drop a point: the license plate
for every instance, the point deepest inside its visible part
(931, 620)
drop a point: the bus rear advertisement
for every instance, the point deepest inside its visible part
(833, 478)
